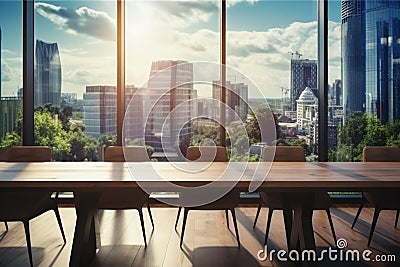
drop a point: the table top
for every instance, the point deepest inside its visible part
(279, 175)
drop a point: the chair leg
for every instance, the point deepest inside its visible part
(397, 218)
(57, 213)
(185, 215)
(328, 213)
(358, 214)
(257, 214)
(288, 221)
(227, 218)
(373, 225)
(28, 241)
(6, 225)
(270, 212)
(236, 227)
(177, 216)
(150, 215)
(142, 223)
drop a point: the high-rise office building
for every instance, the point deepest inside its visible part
(237, 95)
(48, 74)
(337, 93)
(353, 76)
(100, 111)
(303, 73)
(168, 105)
(9, 108)
(371, 57)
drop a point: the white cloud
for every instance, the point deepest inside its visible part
(169, 14)
(6, 72)
(235, 2)
(11, 76)
(263, 55)
(83, 21)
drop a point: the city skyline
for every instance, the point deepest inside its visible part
(257, 47)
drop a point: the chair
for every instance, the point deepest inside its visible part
(131, 198)
(274, 200)
(381, 201)
(24, 206)
(227, 202)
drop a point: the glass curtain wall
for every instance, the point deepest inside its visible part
(364, 107)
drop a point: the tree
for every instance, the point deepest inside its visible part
(11, 139)
(375, 133)
(49, 132)
(68, 142)
(262, 117)
(351, 135)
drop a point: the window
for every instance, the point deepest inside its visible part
(366, 95)
(10, 72)
(166, 84)
(362, 82)
(75, 85)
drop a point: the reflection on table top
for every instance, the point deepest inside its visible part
(277, 175)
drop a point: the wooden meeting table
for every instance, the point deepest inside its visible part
(298, 180)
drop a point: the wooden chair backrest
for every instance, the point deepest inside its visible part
(284, 154)
(207, 153)
(28, 154)
(125, 154)
(381, 153)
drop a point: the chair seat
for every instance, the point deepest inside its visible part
(274, 200)
(228, 201)
(133, 198)
(384, 200)
(14, 206)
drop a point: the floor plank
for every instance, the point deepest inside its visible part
(208, 242)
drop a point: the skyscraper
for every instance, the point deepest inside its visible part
(237, 95)
(48, 74)
(170, 86)
(371, 57)
(337, 93)
(303, 73)
(353, 76)
(100, 111)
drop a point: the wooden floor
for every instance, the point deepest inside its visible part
(208, 242)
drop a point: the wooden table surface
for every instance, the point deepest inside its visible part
(299, 180)
(281, 175)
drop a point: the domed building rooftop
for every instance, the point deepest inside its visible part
(307, 97)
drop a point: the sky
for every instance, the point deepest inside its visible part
(260, 36)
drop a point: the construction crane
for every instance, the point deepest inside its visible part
(296, 54)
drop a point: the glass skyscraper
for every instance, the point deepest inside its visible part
(48, 74)
(371, 57)
(303, 73)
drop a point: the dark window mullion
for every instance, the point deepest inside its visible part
(28, 73)
(120, 68)
(322, 80)
(223, 72)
